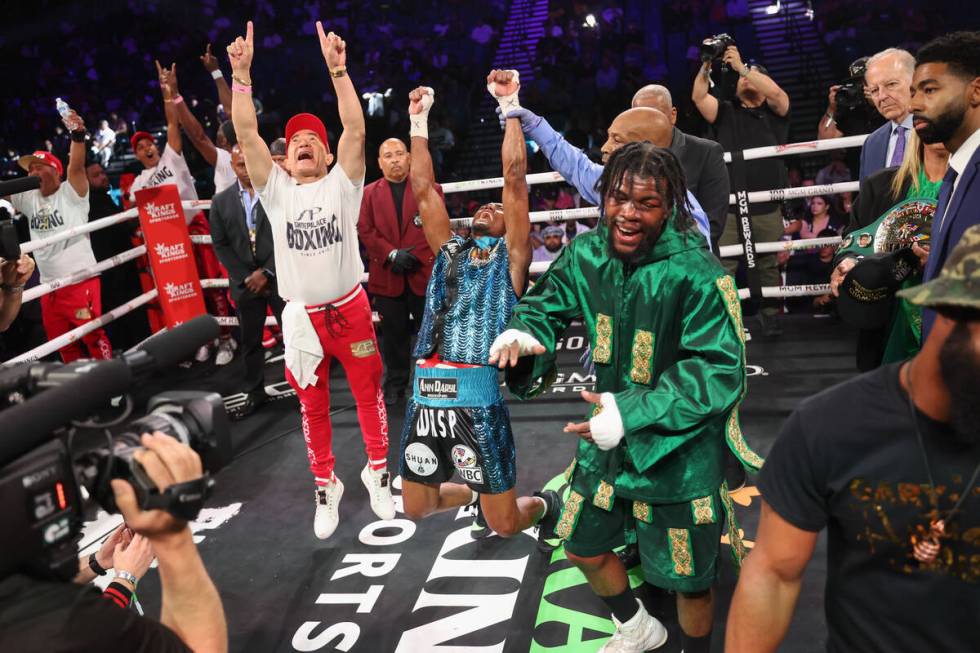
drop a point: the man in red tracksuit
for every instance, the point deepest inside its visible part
(400, 262)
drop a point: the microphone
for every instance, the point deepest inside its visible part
(28, 425)
(174, 346)
(19, 185)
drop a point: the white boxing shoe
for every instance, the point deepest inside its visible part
(327, 508)
(379, 489)
(642, 632)
(226, 352)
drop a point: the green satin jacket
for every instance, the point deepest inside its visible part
(667, 341)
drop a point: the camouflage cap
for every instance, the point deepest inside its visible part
(958, 284)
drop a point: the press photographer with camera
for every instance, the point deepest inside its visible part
(13, 275)
(850, 109)
(757, 116)
(44, 615)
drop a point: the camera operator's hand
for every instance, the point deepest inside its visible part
(121, 536)
(167, 462)
(135, 556)
(16, 272)
(733, 59)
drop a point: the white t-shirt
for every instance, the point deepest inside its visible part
(314, 230)
(170, 169)
(51, 215)
(224, 174)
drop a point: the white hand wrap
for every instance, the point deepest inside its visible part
(607, 426)
(420, 121)
(525, 341)
(510, 102)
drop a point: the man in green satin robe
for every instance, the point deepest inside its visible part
(666, 336)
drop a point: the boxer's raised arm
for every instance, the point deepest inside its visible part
(432, 209)
(258, 160)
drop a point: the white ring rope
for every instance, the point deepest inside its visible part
(82, 275)
(79, 332)
(780, 246)
(796, 192)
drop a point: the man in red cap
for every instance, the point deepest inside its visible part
(171, 168)
(53, 209)
(314, 216)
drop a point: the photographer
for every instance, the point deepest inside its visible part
(129, 555)
(40, 615)
(13, 276)
(758, 116)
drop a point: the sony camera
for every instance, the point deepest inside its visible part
(714, 47)
(854, 113)
(60, 452)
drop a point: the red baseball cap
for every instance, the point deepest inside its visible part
(41, 156)
(303, 121)
(138, 136)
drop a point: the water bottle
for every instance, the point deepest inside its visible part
(63, 108)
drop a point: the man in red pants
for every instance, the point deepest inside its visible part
(52, 209)
(170, 167)
(318, 266)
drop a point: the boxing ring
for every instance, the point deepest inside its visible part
(774, 195)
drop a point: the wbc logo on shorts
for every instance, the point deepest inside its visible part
(465, 461)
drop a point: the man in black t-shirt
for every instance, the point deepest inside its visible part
(756, 117)
(888, 463)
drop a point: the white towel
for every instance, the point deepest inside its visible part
(303, 349)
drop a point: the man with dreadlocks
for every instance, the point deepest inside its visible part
(666, 335)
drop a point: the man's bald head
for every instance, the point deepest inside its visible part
(655, 96)
(636, 125)
(394, 160)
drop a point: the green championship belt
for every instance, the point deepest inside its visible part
(908, 222)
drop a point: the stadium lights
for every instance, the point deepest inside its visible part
(774, 8)
(590, 21)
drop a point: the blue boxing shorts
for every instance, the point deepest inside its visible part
(457, 421)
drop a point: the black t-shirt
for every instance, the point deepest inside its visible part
(397, 195)
(847, 459)
(740, 128)
(52, 617)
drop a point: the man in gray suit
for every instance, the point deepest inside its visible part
(242, 239)
(702, 160)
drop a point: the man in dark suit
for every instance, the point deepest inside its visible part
(888, 78)
(946, 107)
(400, 261)
(242, 239)
(702, 160)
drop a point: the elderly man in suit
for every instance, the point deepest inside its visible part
(888, 78)
(399, 261)
(946, 107)
(242, 239)
(702, 160)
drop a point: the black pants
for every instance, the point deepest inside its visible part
(400, 320)
(251, 320)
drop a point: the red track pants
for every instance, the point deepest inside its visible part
(70, 307)
(347, 334)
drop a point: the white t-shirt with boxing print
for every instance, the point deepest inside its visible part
(314, 228)
(170, 169)
(52, 215)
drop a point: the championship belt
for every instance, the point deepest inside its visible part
(907, 223)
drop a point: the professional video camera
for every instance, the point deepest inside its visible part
(854, 114)
(9, 243)
(714, 47)
(51, 463)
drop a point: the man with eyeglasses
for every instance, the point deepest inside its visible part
(889, 81)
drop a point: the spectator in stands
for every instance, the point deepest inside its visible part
(53, 209)
(757, 116)
(835, 172)
(552, 245)
(884, 463)
(171, 168)
(946, 105)
(400, 262)
(105, 141)
(242, 238)
(702, 160)
(888, 79)
(821, 216)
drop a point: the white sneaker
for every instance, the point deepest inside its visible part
(226, 352)
(641, 633)
(327, 508)
(379, 489)
(202, 354)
